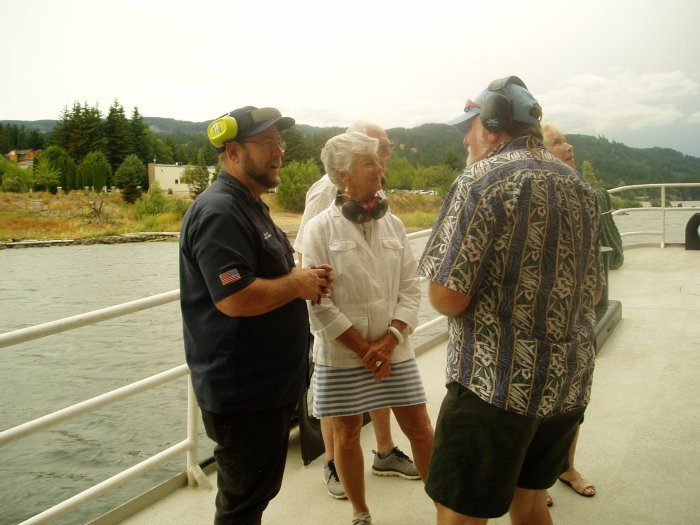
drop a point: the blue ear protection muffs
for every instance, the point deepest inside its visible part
(497, 107)
(359, 213)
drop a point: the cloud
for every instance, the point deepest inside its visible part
(594, 103)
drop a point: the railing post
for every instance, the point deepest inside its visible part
(195, 474)
(663, 216)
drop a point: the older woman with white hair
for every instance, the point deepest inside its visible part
(364, 360)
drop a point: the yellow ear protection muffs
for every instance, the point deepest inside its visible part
(358, 212)
(243, 122)
(224, 129)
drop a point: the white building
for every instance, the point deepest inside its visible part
(169, 177)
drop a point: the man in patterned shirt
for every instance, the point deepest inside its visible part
(514, 262)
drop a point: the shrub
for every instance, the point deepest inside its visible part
(297, 178)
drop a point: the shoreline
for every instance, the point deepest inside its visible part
(107, 239)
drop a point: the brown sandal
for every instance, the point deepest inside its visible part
(581, 486)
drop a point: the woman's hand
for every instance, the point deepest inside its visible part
(377, 359)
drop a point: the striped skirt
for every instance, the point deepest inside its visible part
(348, 391)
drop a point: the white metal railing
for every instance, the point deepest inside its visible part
(188, 446)
(662, 208)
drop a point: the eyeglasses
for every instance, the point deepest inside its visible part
(270, 144)
(386, 146)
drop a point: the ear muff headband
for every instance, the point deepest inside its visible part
(497, 107)
(222, 130)
(226, 128)
(359, 213)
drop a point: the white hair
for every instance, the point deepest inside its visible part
(340, 151)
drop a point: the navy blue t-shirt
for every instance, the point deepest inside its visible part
(238, 364)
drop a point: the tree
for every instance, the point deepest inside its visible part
(297, 148)
(13, 177)
(142, 136)
(94, 171)
(61, 161)
(79, 131)
(297, 178)
(589, 174)
(162, 152)
(128, 177)
(399, 173)
(438, 178)
(197, 177)
(119, 135)
(45, 175)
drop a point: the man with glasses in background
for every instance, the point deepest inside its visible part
(389, 460)
(245, 321)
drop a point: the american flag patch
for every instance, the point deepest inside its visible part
(229, 277)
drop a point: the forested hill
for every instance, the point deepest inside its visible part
(614, 163)
(618, 165)
(431, 144)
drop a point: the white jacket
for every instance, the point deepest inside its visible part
(374, 284)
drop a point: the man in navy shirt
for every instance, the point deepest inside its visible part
(244, 314)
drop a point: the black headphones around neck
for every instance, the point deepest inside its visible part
(497, 106)
(358, 212)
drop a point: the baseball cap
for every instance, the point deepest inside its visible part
(471, 109)
(525, 107)
(245, 122)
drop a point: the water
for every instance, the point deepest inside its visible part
(676, 219)
(43, 284)
(38, 377)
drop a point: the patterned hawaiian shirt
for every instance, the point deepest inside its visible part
(519, 233)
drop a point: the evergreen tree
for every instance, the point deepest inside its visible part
(36, 140)
(128, 177)
(162, 152)
(79, 131)
(142, 136)
(119, 135)
(94, 171)
(297, 147)
(44, 175)
(5, 144)
(61, 161)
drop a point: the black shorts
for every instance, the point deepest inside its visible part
(481, 453)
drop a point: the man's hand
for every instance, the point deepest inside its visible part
(315, 282)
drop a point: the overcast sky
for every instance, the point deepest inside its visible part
(625, 69)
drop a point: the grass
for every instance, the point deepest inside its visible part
(42, 216)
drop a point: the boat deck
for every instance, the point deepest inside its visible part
(638, 443)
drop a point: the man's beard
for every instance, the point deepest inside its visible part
(483, 149)
(264, 179)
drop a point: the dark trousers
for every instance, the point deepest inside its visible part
(250, 453)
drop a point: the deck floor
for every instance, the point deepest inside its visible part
(638, 443)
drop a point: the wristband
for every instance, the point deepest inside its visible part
(395, 332)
